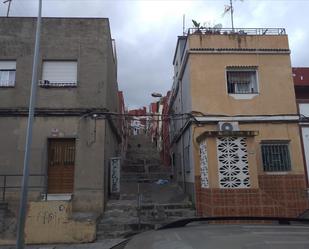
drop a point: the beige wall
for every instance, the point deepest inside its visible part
(52, 222)
(239, 41)
(267, 131)
(208, 76)
(209, 86)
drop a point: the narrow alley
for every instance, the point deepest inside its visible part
(148, 197)
(112, 139)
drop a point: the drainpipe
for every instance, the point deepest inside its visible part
(182, 144)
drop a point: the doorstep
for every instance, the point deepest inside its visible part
(58, 197)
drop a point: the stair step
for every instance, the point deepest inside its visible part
(130, 226)
(4, 206)
(168, 205)
(113, 234)
(170, 212)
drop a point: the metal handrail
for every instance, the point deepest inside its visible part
(4, 186)
(238, 31)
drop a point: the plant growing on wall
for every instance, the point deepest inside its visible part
(198, 27)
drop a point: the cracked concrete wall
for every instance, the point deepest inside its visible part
(87, 40)
(89, 162)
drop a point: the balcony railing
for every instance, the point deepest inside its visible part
(237, 31)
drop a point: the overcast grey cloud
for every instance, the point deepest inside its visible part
(146, 32)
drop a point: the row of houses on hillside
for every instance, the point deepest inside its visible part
(159, 128)
(75, 134)
(237, 148)
(138, 122)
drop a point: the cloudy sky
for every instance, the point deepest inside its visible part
(146, 31)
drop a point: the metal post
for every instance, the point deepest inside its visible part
(9, 7)
(4, 186)
(24, 193)
(183, 24)
(138, 207)
(232, 12)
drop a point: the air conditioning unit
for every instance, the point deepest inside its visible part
(44, 82)
(228, 126)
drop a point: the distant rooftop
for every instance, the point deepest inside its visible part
(237, 31)
(301, 76)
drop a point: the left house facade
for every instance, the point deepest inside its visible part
(74, 137)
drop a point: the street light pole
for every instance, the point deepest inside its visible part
(20, 243)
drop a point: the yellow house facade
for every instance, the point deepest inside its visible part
(236, 150)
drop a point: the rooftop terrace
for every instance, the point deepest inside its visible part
(237, 31)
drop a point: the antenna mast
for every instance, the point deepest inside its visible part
(9, 7)
(232, 14)
(183, 24)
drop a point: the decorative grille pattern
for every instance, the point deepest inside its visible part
(204, 165)
(233, 162)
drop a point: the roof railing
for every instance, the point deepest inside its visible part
(237, 31)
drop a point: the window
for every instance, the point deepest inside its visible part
(59, 74)
(242, 81)
(7, 73)
(276, 156)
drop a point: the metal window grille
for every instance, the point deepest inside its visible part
(241, 82)
(276, 157)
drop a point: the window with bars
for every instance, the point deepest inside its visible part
(242, 81)
(276, 157)
(7, 73)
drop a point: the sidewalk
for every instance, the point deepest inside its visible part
(103, 244)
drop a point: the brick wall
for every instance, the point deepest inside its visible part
(278, 195)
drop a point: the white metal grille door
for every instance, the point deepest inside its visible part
(204, 165)
(233, 162)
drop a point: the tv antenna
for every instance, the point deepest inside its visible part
(230, 8)
(9, 7)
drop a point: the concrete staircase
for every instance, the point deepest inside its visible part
(123, 218)
(7, 223)
(143, 204)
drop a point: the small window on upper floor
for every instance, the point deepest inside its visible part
(7, 73)
(59, 74)
(242, 81)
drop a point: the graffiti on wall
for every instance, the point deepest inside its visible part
(115, 175)
(54, 216)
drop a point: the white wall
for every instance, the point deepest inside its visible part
(305, 134)
(304, 109)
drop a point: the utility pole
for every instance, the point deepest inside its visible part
(183, 24)
(232, 12)
(20, 243)
(9, 7)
